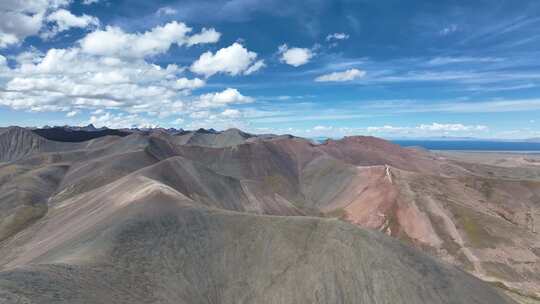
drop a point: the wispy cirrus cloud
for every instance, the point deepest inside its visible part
(502, 87)
(456, 106)
(344, 76)
(462, 59)
(448, 30)
(429, 129)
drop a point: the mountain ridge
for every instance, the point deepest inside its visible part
(435, 204)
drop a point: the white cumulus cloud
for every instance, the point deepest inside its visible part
(89, 2)
(233, 60)
(221, 99)
(21, 19)
(113, 41)
(295, 56)
(110, 74)
(64, 20)
(347, 75)
(7, 39)
(120, 120)
(189, 84)
(337, 36)
(231, 113)
(205, 36)
(68, 80)
(72, 113)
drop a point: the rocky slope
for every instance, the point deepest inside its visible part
(235, 218)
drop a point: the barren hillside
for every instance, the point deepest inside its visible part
(230, 217)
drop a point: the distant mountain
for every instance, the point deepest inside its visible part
(88, 128)
(71, 134)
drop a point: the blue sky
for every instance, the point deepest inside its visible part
(312, 68)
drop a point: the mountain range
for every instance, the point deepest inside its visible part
(93, 215)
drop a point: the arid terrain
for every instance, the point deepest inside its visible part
(172, 216)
